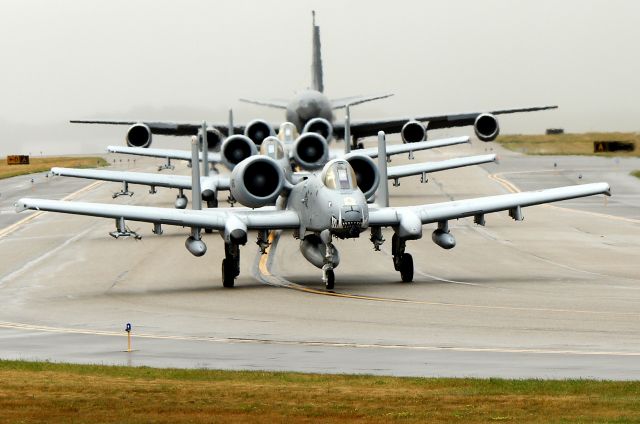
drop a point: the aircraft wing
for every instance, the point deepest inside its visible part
(220, 182)
(435, 212)
(254, 219)
(367, 128)
(214, 157)
(355, 100)
(278, 104)
(394, 172)
(168, 127)
(396, 149)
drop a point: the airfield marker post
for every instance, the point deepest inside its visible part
(128, 330)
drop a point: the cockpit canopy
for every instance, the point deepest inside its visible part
(287, 132)
(272, 147)
(338, 175)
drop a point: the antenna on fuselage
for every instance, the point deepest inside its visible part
(347, 129)
(382, 198)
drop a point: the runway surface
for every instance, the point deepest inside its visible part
(554, 296)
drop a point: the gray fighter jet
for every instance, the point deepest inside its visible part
(312, 111)
(318, 209)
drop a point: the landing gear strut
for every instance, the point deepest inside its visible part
(230, 264)
(402, 261)
(328, 275)
(181, 200)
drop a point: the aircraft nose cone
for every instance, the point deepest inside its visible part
(309, 109)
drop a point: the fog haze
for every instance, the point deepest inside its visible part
(192, 60)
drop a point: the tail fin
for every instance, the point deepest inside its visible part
(316, 60)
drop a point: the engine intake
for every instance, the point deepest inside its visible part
(486, 127)
(310, 151)
(319, 126)
(367, 176)
(413, 131)
(139, 135)
(257, 181)
(214, 138)
(235, 149)
(257, 130)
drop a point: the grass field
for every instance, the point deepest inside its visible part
(567, 144)
(42, 164)
(45, 392)
(636, 173)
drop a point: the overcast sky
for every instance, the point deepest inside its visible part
(191, 60)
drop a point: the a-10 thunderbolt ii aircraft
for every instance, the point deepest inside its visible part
(318, 209)
(308, 152)
(312, 111)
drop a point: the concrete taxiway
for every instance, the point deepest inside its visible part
(554, 296)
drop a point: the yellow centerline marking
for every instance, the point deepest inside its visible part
(43, 328)
(264, 270)
(13, 227)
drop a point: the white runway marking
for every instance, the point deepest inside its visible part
(43, 328)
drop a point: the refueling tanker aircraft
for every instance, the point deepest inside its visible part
(318, 209)
(312, 111)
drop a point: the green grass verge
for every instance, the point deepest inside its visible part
(46, 392)
(43, 164)
(636, 174)
(567, 144)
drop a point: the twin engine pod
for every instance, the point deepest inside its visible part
(311, 151)
(367, 175)
(257, 130)
(235, 149)
(257, 181)
(314, 251)
(214, 138)
(319, 126)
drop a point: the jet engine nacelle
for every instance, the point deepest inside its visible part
(486, 127)
(443, 239)
(320, 126)
(257, 181)
(214, 138)
(235, 149)
(139, 135)
(367, 175)
(311, 151)
(257, 130)
(314, 251)
(413, 131)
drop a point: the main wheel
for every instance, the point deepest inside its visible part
(406, 268)
(228, 273)
(331, 280)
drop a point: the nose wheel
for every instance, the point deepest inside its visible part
(329, 279)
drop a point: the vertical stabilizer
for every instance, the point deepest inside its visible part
(382, 198)
(316, 60)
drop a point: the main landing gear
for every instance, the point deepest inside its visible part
(230, 264)
(402, 261)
